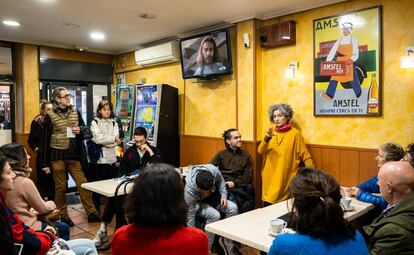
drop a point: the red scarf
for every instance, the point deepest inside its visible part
(285, 128)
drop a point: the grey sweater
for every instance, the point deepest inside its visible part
(192, 194)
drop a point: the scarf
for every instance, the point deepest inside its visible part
(63, 111)
(285, 128)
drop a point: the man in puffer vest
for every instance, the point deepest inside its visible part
(63, 143)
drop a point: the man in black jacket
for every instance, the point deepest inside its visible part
(140, 154)
(236, 167)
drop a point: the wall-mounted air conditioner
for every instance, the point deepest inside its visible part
(159, 54)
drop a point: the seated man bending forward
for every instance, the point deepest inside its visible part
(206, 196)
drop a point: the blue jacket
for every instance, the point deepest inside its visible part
(299, 244)
(366, 190)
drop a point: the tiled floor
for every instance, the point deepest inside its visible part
(83, 229)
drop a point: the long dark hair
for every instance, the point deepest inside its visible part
(157, 198)
(216, 56)
(316, 205)
(3, 162)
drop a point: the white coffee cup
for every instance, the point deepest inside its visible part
(277, 225)
(346, 202)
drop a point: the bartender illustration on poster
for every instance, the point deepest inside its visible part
(346, 63)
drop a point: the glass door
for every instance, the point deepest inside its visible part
(6, 113)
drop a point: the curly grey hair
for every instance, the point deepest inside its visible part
(285, 109)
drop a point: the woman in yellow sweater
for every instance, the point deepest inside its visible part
(283, 148)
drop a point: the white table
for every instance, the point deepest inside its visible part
(108, 187)
(251, 228)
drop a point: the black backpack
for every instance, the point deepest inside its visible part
(94, 149)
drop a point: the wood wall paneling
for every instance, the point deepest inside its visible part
(331, 161)
(316, 153)
(367, 165)
(348, 167)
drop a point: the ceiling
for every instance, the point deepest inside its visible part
(67, 23)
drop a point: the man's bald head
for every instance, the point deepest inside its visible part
(395, 179)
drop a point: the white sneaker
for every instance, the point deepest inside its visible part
(101, 237)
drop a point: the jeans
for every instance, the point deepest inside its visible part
(82, 246)
(211, 214)
(63, 229)
(354, 83)
(74, 167)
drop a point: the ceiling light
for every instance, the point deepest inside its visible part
(11, 23)
(80, 48)
(146, 16)
(98, 36)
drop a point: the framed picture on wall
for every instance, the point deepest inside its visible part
(347, 64)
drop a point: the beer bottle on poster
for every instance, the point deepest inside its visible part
(373, 96)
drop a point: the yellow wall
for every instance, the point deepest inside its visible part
(27, 86)
(206, 109)
(242, 99)
(398, 90)
(245, 71)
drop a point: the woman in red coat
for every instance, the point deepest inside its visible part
(157, 214)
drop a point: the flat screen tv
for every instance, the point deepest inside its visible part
(206, 55)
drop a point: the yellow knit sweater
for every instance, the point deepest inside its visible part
(282, 156)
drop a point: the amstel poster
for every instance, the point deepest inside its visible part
(347, 51)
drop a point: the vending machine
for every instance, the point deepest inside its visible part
(156, 109)
(124, 108)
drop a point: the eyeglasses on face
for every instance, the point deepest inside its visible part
(66, 96)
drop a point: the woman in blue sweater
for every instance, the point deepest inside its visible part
(318, 219)
(363, 192)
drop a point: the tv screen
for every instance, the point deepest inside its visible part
(206, 55)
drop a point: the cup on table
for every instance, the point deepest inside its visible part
(346, 202)
(277, 226)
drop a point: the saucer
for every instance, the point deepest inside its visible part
(285, 230)
(350, 208)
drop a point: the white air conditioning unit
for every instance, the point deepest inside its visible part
(159, 54)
